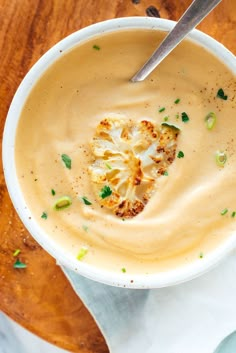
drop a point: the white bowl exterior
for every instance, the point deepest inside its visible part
(157, 280)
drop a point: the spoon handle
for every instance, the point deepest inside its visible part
(190, 19)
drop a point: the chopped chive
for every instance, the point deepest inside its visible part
(67, 160)
(85, 228)
(108, 166)
(62, 203)
(177, 101)
(162, 109)
(123, 270)
(105, 192)
(210, 120)
(180, 154)
(16, 252)
(82, 252)
(86, 201)
(96, 47)
(19, 264)
(221, 94)
(185, 117)
(177, 116)
(201, 255)
(44, 215)
(166, 118)
(53, 192)
(221, 158)
(165, 173)
(233, 214)
(224, 211)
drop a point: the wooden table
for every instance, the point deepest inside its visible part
(39, 297)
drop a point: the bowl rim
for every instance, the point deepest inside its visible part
(141, 281)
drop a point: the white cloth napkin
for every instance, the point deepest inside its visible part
(193, 317)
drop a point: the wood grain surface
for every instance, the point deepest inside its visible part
(39, 297)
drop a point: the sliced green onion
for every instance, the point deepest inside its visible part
(82, 252)
(53, 192)
(180, 154)
(221, 94)
(185, 117)
(224, 211)
(96, 47)
(19, 264)
(165, 173)
(221, 158)
(44, 215)
(177, 101)
(108, 166)
(85, 228)
(123, 270)
(166, 118)
(233, 214)
(67, 160)
(62, 203)
(16, 252)
(210, 120)
(201, 255)
(162, 109)
(86, 201)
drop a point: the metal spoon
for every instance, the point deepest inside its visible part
(190, 19)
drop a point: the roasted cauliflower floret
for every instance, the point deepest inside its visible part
(128, 159)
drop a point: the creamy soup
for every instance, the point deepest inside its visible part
(191, 204)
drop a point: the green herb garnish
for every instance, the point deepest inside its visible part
(162, 109)
(123, 270)
(105, 192)
(62, 203)
(86, 201)
(108, 166)
(201, 255)
(53, 192)
(180, 154)
(82, 252)
(177, 101)
(221, 94)
(19, 264)
(96, 47)
(166, 118)
(221, 158)
(210, 120)
(233, 214)
(85, 228)
(224, 211)
(185, 117)
(165, 173)
(16, 252)
(66, 159)
(44, 215)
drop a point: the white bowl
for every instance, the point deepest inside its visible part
(157, 280)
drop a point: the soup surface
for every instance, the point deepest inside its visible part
(191, 206)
